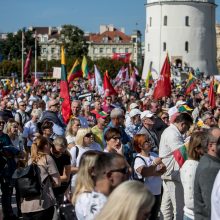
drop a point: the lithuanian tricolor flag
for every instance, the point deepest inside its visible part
(180, 155)
(64, 90)
(191, 83)
(75, 72)
(85, 68)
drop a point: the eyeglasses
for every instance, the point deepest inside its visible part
(2, 122)
(124, 170)
(116, 138)
(164, 118)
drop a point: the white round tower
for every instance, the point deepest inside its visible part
(185, 29)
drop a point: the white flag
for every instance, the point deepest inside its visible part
(98, 81)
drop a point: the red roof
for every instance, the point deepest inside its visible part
(99, 38)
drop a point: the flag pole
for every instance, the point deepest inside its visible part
(35, 70)
(22, 56)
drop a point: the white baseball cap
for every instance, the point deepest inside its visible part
(147, 114)
(134, 112)
(180, 102)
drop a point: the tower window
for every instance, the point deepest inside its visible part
(165, 20)
(150, 21)
(187, 20)
(187, 46)
(164, 46)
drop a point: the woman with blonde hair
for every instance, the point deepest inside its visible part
(84, 181)
(42, 207)
(84, 140)
(71, 131)
(131, 200)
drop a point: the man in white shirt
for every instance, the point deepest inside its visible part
(171, 139)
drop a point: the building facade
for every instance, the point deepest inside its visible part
(49, 42)
(185, 29)
(218, 45)
(111, 40)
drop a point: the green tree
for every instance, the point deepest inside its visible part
(11, 48)
(74, 41)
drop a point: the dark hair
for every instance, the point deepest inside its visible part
(104, 163)
(184, 117)
(110, 133)
(46, 125)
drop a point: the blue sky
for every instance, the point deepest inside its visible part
(86, 14)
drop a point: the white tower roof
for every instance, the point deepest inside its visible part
(161, 1)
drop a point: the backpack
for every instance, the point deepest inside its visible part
(134, 174)
(67, 212)
(27, 181)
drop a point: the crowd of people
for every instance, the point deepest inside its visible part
(121, 157)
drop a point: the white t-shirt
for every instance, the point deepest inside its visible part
(187, 175)
(153, 182)
(30, 129)
(215, 199)
(75, 159)
(89, 204)
(70, 139)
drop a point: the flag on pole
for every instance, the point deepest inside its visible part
(163, 84)
(108, 88)
(27, 64)
(98, 81)
(211, 94)
(75, 71)
(191, 83)
(64, 90)
(85, 68)
(149, 78)
(133, 81)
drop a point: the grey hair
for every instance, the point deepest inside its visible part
(116, 112)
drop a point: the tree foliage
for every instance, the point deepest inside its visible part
(74, 41)
(11, 48)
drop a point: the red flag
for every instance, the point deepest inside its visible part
(211, 95)
(108, 88)
(163, 84)
(124, 57)
(64, 90)
(27, 64)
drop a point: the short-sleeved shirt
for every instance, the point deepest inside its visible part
(30, 129)
(153, 182)
(61, 162)
(89, 204)
(47, 168)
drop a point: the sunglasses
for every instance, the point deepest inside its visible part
(124, 170)
(164, 117)
(89, 135)
(2, 122)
